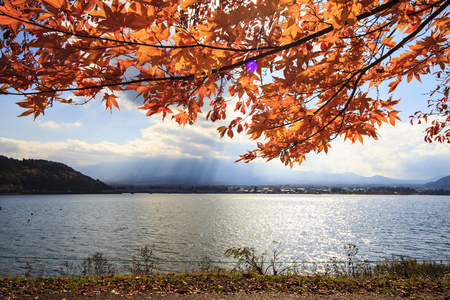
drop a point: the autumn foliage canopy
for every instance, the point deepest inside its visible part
(316, 66)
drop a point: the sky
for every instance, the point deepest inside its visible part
(88, 134)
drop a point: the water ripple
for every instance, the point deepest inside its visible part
(188, 227)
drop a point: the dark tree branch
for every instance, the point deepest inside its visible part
(275, 50)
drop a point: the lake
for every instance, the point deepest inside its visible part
(190, 227)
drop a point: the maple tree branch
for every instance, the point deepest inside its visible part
(130, 43)
(379, 29)
(409, 36)
(334, 57)
(219, 70)
(430, 6)
(376, 62)
(347, 104)
(341, 88)
(362, 72)
(196, 89)
(423, 61)
(303, 40)
(264, 54)
(308, 38)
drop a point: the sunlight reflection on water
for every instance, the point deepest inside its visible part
(192, 226)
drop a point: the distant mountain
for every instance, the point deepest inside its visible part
(443, 184)
(217, 171)
(42, 176)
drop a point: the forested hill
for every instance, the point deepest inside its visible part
(443, 183)
(42, 176)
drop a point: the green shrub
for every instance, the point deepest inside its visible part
(146, 264)
(97, 265)
(267, 263)
(401, 267)
(349, 268)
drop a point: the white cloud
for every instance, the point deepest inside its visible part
(126, 101)
(201, 140)
(54, 125)
(73, 152)
(400, 152)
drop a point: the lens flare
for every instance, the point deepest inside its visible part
(252, 66)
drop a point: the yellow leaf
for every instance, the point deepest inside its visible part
(110, 101)
(43, 17)
(146, 54)
(409, 77)
(186, 3)
(27, 113)
(181, 118)
(393, 85)
(389, 42)
(417, 77)
(351, 19)
(5, 20)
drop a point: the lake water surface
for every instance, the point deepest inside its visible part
(189, 227)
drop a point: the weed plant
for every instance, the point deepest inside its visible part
(97, 265)
(145, 264)
(401, 267)
(39, 271)
(268, 263)
(349, 268)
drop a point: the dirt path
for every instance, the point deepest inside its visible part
(215, 296)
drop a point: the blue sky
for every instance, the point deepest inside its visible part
(87, 134)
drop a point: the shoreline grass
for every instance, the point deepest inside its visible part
(254, 273)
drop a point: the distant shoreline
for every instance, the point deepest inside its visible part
(42, 177)
(279, 189)
(250, 190)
